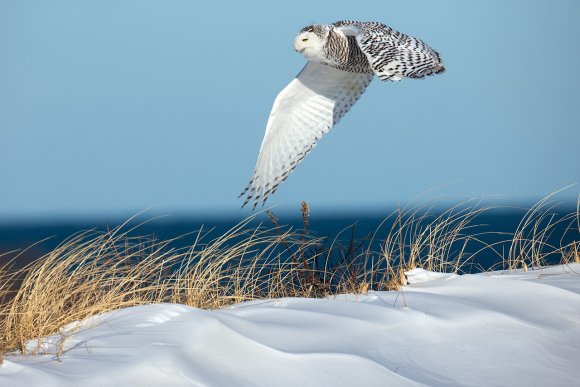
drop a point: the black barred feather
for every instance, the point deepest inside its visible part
(391, 54)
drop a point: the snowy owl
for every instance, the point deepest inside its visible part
(342, 59)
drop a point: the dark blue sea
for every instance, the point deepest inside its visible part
(29, 240)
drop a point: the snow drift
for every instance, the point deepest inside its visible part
(501, 328)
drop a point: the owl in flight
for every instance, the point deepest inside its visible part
(342, 59)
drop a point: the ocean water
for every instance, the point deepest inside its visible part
(30, 240)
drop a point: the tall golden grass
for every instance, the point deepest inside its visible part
(94, 272)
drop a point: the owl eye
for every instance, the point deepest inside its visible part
(305, 39)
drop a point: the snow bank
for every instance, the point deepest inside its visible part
(490, 329)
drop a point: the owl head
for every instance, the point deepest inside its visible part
(310, 42)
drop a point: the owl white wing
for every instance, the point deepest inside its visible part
(392, 54)
(304, 110)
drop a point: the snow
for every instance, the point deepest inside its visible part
(419, 275)
(501, 328)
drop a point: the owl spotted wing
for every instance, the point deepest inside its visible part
(304, 110)
(392, 54)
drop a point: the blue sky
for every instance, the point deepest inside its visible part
(113, 106)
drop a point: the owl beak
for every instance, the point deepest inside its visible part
(296, 45)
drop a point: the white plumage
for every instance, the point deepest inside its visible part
(343, 57)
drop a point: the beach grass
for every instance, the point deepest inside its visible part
(94, 272)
